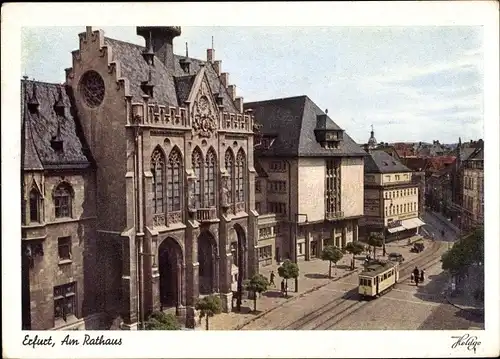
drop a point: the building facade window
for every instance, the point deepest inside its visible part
(265, 255)
(277, 207)
(65, 301)
(257, 207)
(62, 200)
(257, 186)
(229, 163)
(209, 174)
(333, 185)
(240, 176)
(397, 177)
(174, 181)
(197, 160)
(64, 248)
(157, 169)
(277, 166)
(34, 206)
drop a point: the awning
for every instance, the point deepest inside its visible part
(396, 229)
(412, 223)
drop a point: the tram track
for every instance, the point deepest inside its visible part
(336, 309)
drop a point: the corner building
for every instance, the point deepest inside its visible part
(174, 175)
(309, 184)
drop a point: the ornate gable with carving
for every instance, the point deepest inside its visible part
(205, 113)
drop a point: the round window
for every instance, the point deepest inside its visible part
(92, 88)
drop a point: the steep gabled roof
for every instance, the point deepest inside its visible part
(40, 127)
(293, 120)
(380, 161)
(168, 88)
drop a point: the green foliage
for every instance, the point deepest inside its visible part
(466, 251)
(162, 321)
(257, 284)
(354, 248)
(208, 307)
(288, 270)
(375, 240)
(332, 254)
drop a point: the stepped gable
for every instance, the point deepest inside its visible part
(42, 126)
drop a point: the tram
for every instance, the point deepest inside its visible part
(378, 278)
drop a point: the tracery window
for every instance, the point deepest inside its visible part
(174, 181)
(209, 177)
(240, 177)
(229, 162)
(197, 160)
(34, 205)
(157, 168)
(62, 200)
(333, 186)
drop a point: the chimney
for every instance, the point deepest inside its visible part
(238, 102)
(210, 55)
(217, 66)
(231, 89)
(160, 40)
(224, 78)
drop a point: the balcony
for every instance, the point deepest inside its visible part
(334, 216)
(206, 215)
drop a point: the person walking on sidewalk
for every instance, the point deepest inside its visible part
(283, 288)
(422, 274)
(271, 279)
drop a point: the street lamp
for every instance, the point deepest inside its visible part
(295, 257)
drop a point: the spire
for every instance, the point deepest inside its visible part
(187, 51)
(149, 53)
(372, 142)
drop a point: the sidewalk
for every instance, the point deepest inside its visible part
(313, 276)
(445, 221)
(404, 242)
(462, 296)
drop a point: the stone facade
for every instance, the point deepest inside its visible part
(172, 208)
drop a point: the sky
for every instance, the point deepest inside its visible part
(414, 83)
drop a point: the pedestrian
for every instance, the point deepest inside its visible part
(411, 277)
(283, 288)
(271, 279)
(422, 274)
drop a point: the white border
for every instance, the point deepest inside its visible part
(244, 344)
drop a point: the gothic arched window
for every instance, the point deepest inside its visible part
(197, 160)
(62, 200)
(174, 181)
(229, 162)
(157, 169)
(240, 176)
(34, 205)
(209, 177)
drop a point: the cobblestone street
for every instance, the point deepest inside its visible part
(314, 289)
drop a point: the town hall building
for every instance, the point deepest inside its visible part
(138, 185)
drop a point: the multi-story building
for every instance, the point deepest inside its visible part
(390, 198)
(473, 190)
(58, 201)
(168, 212)
(309, 184)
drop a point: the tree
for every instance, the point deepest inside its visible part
(257, 284)
(331, 254)
(288, 270)
(467, 251)
(208, 307)
(354, 248)
(375, 240)
(162, 321)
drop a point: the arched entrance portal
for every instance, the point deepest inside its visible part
(170, 268)
(208, 263)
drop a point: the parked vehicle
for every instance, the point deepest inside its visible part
(417, 247)
(396, 257)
